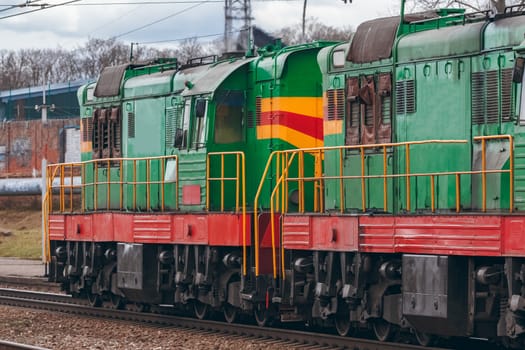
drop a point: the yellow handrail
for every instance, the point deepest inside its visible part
(407, 175)
(484, 140)
(240, 189)
(70, 170)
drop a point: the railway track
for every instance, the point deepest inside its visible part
(162, 318)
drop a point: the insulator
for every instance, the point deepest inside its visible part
(61, 253)
(166, 257)
(488, 275)
(231, 260)
(303, 265)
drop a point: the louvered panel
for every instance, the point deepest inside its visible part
(478, 98)
(410, 96)
(492, 98)
(251, 120)
(506, 94)
(336, 104)
(171, 114)
(258, 110)
(405, 97)
(87, 129)
(386, 109)
(131, 124)
(369, 115)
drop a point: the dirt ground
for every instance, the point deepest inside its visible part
(20, 227)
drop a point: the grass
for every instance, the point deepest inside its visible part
(24, 238)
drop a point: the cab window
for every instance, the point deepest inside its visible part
(229, 117)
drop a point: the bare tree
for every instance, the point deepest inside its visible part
(314, 30)
(472, 5)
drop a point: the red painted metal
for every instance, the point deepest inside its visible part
(191, 229)
(57, 227)
(191, 194)
(152, 228)
(331, 233)
(513, 237)
(226, 230)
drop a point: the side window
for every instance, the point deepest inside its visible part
(229, 117)
(181, 130)
(199, 130)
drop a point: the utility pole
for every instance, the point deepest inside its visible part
(237, 18)
(44, 106)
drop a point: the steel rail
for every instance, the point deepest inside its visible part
(62, 303)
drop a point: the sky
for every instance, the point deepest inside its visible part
(149, 22)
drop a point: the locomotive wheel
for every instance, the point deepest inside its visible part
(141, 307)
(261, 315)
(424, 339)
(117, 302)
(231, 313)
(383, 330)
(95, 300)
(201, 310)
(343, 324)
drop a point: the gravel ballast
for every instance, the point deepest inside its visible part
(62, 331)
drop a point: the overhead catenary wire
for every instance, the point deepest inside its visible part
(40, 9)
(160, 19)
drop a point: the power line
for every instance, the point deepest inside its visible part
(40, 9)
(161, 19)
(25, 4)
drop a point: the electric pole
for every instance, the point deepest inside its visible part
(237, 19)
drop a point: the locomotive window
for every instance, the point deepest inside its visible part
(229, 117)
(200, 122)
(338, 58)
(181, 133)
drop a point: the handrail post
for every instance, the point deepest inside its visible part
(162, 179)
(385, 184)
(121, 164)
(207, 182)
(363, 185)
(341, 182)
(483, 176)
(108, 182)
(511, 174)
(407, 169)
(458, 194)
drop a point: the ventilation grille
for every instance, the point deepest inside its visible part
(506, 95)
(251, 120)
(485, 97)
(87, 129)
(386, 109)
(170, 127)
(131, 125)
(336, 104)
(258, 109)
(405, 97)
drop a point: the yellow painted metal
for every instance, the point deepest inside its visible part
(275, 198)
(341, 182)
(407, 173)
(240, 189)
(483, 140)
(458, 194)
(69, 170)
(433, 192)
(363, 194)
(385, 183)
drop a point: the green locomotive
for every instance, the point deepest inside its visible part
(371, 184)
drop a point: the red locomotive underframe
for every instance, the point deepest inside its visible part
(448, 235)
(209, 229)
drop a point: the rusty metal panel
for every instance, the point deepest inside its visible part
(110, 80)
(373, 40)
